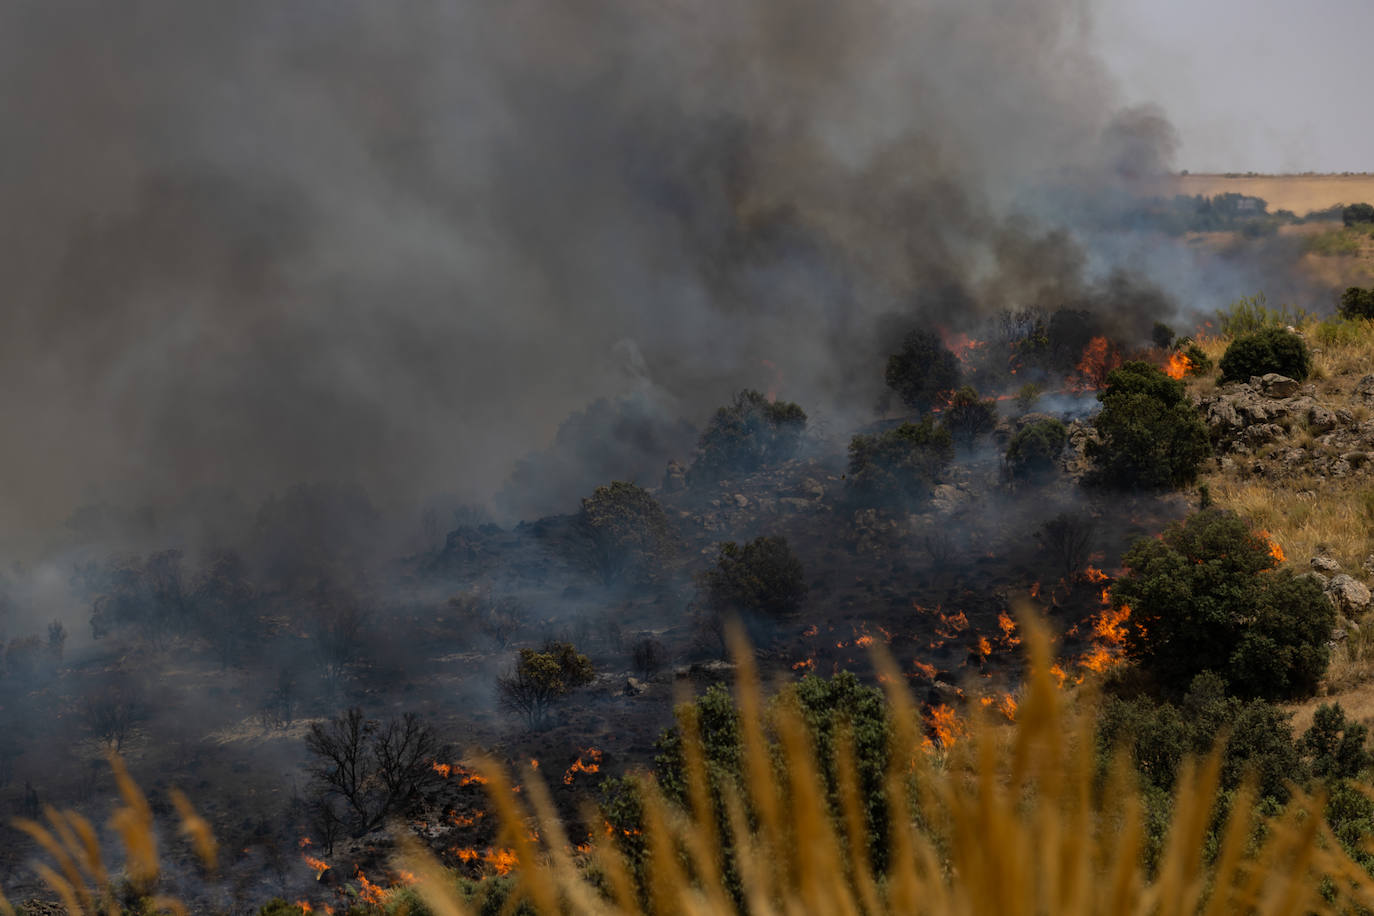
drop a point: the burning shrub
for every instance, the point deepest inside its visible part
(762, 577)
(1207, 597)
(1199, 363)
(923, 372)
(746, 435)
(624, 533)
(1149, 435)
(966, 417)
(1035, 448)
(1269, 350)
(1357, 303)
(540, 679)
(898, 468)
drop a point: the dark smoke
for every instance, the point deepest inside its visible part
(394, 245)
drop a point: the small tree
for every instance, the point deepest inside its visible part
(624, 533)
(371, 770)
(649, 656)
(1269, 350)
(1068, 539)
(1150, 437)
(1357, 302)
(1358, 213)
(1337, 745)
(541, 679)
(761, 577)
(1035, 448)
(1207, 597)
(966, 417)
(900, 467)
(746, 435)
(923, 372)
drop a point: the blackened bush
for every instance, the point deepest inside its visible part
(1207, 597)
(1034, 449)
(746, 435)
(1150, 437)
(900, 467)
(967, 417)
(1357, 303)
(763, 576)
(923, 372)
(1270, 350)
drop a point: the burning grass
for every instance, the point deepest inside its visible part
(1006, 823)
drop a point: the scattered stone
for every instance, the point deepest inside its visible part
(1278, 386)
(1321, 420)
(1364, 388)
(633, 687)
(741, 500)
(675, 477)
(1325, 564)
(1350, 595)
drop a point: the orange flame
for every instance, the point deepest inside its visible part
(319, 865)
(1099, 358)
(952, 625)
(1058, 673)
(1035, 590)
(1275, 550)
(304, 842)
(1177, 366)
(304, 906)
(1093, 574)
(591, 765)
(469, 778)
(925, 670)
(984, 648)
(466, 820)
(811, 630)
(806, 664)
(944, 725)
(369, 892)
(864, 641)
(1008, 625)
(443, 769)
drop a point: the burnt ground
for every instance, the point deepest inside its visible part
(935, 589)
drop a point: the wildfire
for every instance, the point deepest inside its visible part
(1177, 366)
(466, 820)
(500, 860)
(806, 664)
(952, 625)
(304, 906)
(864, 641)
(925, 670)
(443, 769)
(1093, 574)
(984, 648)
(319, 865)
(1099, 358)
(1008, 625)
(944, 725)
(369, 892)
(534, 763)
(304, 842)
(1057, 672)
(1035, 590)
(591, 765)
(1005, 704)
(811, 630)
(1275, 550)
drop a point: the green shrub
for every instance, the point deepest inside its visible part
(1206, 597)
(1335, 243)
(1249, 314)
(1335, 332)
(1270, 350)
(763, 577)
(1027, 395)
(1150, 437)
(1357, 213)
(900, 467)
(1199, 363)
(624, 533)
(744, 436)
(1337, 745)
(1036, 447)
(1357, 303)
(923, 372)
(966, 417)
(541, 679)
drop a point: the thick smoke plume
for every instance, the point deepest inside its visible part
(394, 245)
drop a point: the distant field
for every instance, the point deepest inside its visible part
(1299, 193)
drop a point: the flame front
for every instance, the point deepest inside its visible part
(319, 865)
(1275, 550)
(1178, 366)
(944, 725)
(591, 764)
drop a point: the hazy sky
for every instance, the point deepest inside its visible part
(1262, 85)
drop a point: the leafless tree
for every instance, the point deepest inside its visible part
(649, 656)
(1068, 539)
(112, 710)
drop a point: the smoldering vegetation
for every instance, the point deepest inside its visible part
(324, 325)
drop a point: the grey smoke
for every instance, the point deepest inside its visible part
(395, 245)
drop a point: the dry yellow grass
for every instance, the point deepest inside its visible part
(1298, 193)
(1008, 822)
